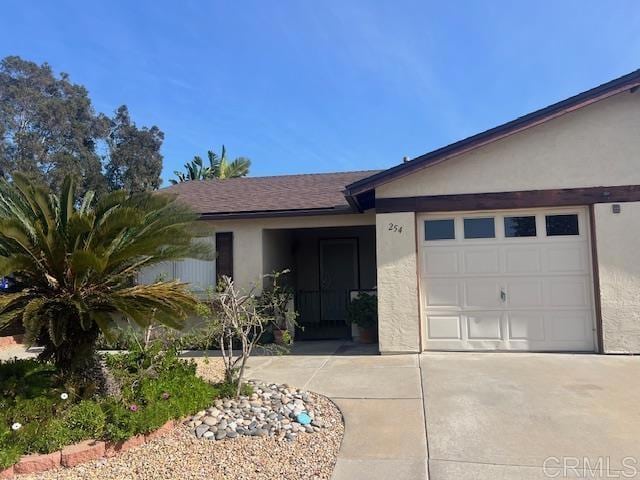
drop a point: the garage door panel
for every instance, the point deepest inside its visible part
(523, 293)
(522, 259)
(481, 260)
(443, 293)
(444, 327)
(482, 292)
(484, 326)
(441, 261)
(530, 290)
(567, 259)
(526, 326)
(569, 326)
(568, 292)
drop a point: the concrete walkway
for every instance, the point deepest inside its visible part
(380, 398)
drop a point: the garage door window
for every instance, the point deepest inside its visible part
(558, 225)
(439, 229)
(520, 226)
(479, 228)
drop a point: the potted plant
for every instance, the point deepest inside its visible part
(276, 302)
(363, 311)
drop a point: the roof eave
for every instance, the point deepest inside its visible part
(629, 82)
(339, 210)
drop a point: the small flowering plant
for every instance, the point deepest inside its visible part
(133, 407)
(16, 426)
(64, 396)
(165, 396)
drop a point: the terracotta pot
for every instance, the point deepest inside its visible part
(367, 335)
(278, 336)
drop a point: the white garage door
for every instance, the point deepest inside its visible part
(507, 280)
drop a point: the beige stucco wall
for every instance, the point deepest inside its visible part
(277, 253)
(598, 145)
(398, 315)
(248, 256)
(618, 238)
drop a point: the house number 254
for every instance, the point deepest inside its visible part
(394, 227)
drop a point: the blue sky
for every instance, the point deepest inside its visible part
(314, 86)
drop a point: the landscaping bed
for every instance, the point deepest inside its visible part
(180, 455)
(285, 450)
(42, 412)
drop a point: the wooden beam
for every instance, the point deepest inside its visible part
(597, 295)
(506, 200)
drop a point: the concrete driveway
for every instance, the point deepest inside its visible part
(500, 415)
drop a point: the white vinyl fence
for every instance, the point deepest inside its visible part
(200, 274)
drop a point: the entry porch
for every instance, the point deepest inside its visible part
(326, 266)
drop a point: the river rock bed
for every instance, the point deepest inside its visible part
(182, 456)
(271, 411)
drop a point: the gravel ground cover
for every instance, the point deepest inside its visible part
(180, 455)
(272, 409)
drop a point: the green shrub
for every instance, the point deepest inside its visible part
(45, 437)
(228, 390)
(32, 410)
(24, 379)
(85, 420)
(9, 450)
(121, 422)
(363, 310)
(9, 455)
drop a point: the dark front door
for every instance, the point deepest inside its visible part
(323, 313)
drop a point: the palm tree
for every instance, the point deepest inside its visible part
(219, 168)
(194, 170)
(78, 262)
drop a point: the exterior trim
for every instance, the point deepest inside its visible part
(597, 296)
(628, 82)
(510, 200)
(277, 213)
(422, 325)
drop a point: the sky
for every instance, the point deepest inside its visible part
(326, 85)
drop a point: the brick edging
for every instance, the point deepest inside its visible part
(10, 341)
(82, 452)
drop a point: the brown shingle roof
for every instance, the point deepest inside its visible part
(233, 196)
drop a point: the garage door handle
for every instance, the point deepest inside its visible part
(503, 295)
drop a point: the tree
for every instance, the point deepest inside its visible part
(49, 130)
(135, 161)
(219, 168)
(194, 170)
(239, 320)
(78, 262)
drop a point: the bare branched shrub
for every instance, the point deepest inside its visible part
(239, 323)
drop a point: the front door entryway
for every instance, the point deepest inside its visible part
(339, 275)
